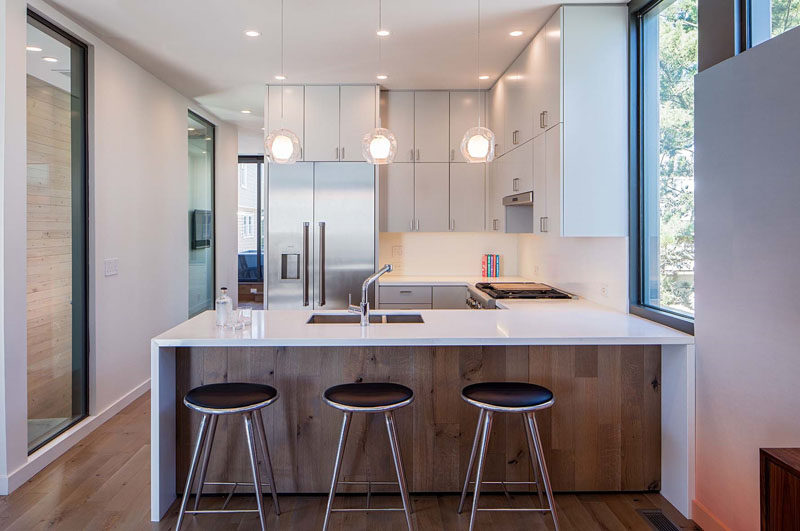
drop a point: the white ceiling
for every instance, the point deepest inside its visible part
(199, 46)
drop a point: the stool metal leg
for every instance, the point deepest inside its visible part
(337, 466)
(487, 431)
(543, 467)
(192, 468)
(471, 459)
(212, 429)
(251, 447)
(398, 465)
(262, 438)
(533, 459)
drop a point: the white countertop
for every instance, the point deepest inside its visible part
(552, 322)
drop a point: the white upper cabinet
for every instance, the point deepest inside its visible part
(519, 79)
(467, 108)
(550, 102)
(356, 118)
(497, 116)
(285, 109)
(554, 165)
(467, 200)
(539, 183)
(431, 197)
(397, 197)
(397, 115)
(322, 123)
(432, 126)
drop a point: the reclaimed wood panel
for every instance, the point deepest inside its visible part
(602, 434)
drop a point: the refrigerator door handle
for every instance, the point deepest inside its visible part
(305, 263)
(322, 263)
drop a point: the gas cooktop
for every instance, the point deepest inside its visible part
(521, 290)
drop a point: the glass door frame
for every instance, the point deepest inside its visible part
(82, 158)
(213, 128)
(261, 170)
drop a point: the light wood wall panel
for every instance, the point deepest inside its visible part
(49, 251)
(602, 434)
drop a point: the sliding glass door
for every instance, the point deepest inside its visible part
(56, 277)
(250, 232)
(201, 214)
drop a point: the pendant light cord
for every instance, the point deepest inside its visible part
(283, 72)
(478, 62)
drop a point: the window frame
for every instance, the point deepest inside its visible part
(638, 9)
(261, 170)
(86, 196)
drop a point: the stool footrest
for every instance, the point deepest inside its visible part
(515, 509)
(366, 510)
(220, 511)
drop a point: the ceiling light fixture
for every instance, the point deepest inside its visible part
(282, 146)
(252, 33)
(31, 48)
(379, 146)
(515, 33)
(383, 33)
(50, 59)
(246, 111)
(477, 145)
(190, 128)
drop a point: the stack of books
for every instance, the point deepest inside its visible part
(490, 265)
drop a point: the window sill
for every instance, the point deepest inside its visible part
(684, 324)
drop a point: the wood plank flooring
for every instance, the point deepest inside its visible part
(103, 483)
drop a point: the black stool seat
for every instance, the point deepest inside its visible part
(372, 396)
(516, 396)
(224, 398)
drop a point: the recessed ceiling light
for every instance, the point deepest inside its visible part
(252, 33)
(515, 77)
(208, 138)
(33, 48)
(280, 77)
(483, 77)
(190, 128)
(515, 33)
(383, 33)
(382, 76)
(50, 59)
(246, 111)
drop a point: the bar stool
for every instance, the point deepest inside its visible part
(213, 400)
(508, 397)
(369, 398)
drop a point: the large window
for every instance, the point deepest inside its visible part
(251, 233)
(201, 214)
(666, 63)
(57, 270)
(770, 18)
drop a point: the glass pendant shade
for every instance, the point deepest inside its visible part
(282, 147)
(478, 145)
(379, 146)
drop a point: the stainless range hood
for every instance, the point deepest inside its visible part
(523, 199)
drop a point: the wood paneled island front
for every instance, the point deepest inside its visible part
(604, 433)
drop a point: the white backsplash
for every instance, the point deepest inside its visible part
(446, 253)
(593, 268)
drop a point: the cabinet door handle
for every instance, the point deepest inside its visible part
(417, 224)
(516, 137)
(417, 153)
(405, 292)
(412, 154)
(452, 224)
(544, 118)
(515, 184)
(494, 224)
(452, 155)
(411, 224)
(301, 152)
(337, 153)
(342, 152)
(497, 148)
(543, 222)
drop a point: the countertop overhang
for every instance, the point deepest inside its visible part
(555, 322)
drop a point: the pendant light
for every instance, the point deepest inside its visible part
(477, 145)
(379, 146)
(282, 146)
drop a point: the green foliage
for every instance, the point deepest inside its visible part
(785, 15)
(677, 68)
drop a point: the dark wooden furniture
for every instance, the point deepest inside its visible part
(780, 489)
(602, 434)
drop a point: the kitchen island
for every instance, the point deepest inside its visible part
(623, 418)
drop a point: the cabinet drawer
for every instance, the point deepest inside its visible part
(406, 306)
(406, 294)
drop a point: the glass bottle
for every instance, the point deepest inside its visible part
(224, 306)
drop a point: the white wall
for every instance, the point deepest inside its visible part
(447, 253)
(748, 288)
(583, 266)
(138, 203)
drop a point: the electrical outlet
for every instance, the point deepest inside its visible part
(111, 267)
(397, 251)
(604, 290)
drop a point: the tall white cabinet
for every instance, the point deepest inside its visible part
(431, 126)
(562, 107)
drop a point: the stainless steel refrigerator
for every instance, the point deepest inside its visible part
(321, 239)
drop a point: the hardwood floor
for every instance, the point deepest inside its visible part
(103, 483)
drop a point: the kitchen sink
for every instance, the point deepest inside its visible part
(374, 318)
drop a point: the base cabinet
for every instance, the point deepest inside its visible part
(780, 488)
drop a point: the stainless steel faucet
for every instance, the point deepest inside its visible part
(363, 308)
